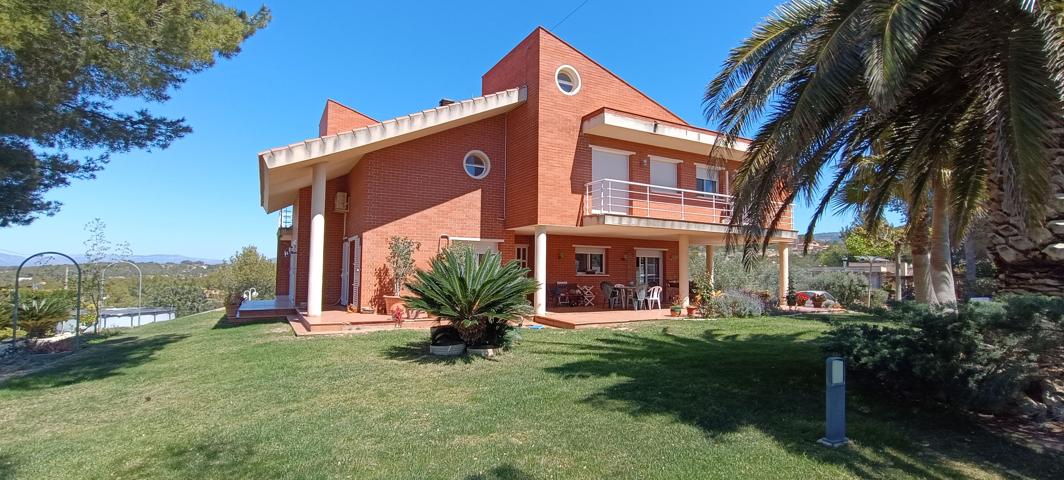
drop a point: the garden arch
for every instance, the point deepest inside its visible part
(140, 291)
(77, 315)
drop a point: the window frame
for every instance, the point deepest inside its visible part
(483, 158)
(701, 167)
(574, 79)
(588, 252)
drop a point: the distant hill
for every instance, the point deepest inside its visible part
(13, 260)
(828, 237)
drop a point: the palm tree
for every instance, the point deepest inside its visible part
(957, 91)
(475, 293)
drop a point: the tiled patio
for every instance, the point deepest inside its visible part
(571, 318)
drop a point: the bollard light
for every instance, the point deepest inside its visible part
(835, 424)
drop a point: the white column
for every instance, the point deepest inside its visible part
(709, 266)
(317, 241)
(784, 250)
(541, 270)
(685, 270)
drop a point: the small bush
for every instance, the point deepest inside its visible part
(849, 288)
(978, 357)
(5, 333)
(735, 304)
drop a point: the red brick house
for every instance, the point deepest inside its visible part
(560, 165)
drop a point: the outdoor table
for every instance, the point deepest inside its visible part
(625, 291)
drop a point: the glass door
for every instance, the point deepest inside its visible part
(648, 268)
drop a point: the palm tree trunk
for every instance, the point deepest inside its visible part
(899, 279)
(1029, 257)
(969, 263)
(941, 253)
(918, 243)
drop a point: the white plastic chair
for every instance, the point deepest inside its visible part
(640, 297)
(654, 297)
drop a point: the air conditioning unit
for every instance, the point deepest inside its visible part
(341, 202)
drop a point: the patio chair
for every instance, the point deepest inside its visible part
(609, 296)
(640, 297)
(561, 293)
(654, 296)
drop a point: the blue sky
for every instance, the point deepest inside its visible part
(200, 196)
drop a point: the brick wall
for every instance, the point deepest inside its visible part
(337, 117)
(419, 189)
(334, 234)
(281, 282)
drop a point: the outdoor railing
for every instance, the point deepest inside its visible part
(634, 199)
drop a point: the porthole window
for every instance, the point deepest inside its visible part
(568, 80)
(476, 164)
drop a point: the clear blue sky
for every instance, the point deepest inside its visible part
(200, 197)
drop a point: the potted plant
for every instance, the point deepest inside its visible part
(801, 299)
(445, 341)
(480, 297)
(694, 306)
(818, 300)
(232, 304)
(677, 307)
(401, 262)
(792, 298)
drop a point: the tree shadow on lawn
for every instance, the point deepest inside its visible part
(223, 322)
(502, 472)
(95, 361)
(775, 384)
(417, 352)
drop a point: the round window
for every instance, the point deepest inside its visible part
(477, 164)
(568, 80)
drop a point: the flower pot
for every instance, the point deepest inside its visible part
(676, 311)
(484, 350)
(691, 311)
(447, 350)
(391, 301)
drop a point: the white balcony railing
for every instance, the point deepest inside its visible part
(619, 197)
(633, 199)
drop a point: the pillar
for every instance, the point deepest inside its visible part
(709, 267)
(685, 270)
(541, 270)
(784, 250)
(317, 241)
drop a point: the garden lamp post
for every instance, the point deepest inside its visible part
(835, 424)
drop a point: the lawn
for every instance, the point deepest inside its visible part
(681, 399)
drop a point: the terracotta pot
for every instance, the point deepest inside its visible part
(676, 312)
(391, 301)
(691, 311)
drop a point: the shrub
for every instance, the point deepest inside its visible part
(849, 288)
(737, 304)
(401, 260)
(40, 311)
(977, 357)
(5, 333)
(474, 293)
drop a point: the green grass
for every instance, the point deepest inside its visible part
(702, 399)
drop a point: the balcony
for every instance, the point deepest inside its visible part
(680, 208)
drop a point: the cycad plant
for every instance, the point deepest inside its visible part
(476, 293)
(38, 315)
(961, 93)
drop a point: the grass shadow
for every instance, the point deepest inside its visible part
(224, 323)
(502, 472)
(774, 383)
(96, 360)
(418, 352)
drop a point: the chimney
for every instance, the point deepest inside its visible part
(446, 101)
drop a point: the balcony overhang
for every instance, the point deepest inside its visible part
(623, 226)
(283, 171)
(649, 131)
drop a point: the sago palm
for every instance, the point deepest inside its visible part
(967, 87)
(471, 291)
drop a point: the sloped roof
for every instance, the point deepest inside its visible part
(283, 170)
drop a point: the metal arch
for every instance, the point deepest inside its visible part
(77, 316)
(140, 291)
